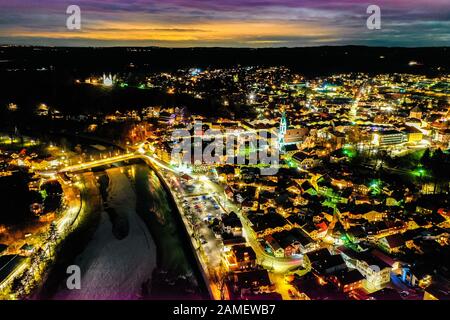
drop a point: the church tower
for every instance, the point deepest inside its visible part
(282, 130)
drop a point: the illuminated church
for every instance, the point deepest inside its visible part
(108, 80)
(289, 136)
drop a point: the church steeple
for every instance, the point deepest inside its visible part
(282, 130)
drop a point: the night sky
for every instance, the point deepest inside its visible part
(231, 23)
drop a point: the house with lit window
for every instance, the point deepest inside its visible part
(289, 242)
(242, 284)
(376, 272)
(417, 275)
(232, 224)
(392, 243)
(323, 262)
(305, 161)
(240, 257)
(316, 230)
(347, 280)
(363, 211)
(264, 224)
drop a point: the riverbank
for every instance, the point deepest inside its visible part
(74, 243)
(182, 224)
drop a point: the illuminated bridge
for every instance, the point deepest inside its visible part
(100, 163)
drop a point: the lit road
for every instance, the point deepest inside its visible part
(268, 261)
(99, 163)
(17, 271)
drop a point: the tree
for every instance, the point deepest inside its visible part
(53, 232)
(438, 168)
(426, 158)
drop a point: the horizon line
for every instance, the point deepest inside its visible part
(221, 47)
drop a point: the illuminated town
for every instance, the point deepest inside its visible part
(355, 206)
(215, 159)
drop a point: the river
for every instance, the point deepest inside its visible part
(137, 250)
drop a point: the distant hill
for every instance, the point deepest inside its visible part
(308, 60)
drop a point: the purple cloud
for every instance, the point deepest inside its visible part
(343, 21)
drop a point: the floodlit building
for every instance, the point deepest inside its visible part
(108, 80)
(376, 272)
(388, 138)
(293, 136)
(241, 257)
(414, 135)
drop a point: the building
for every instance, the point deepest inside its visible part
(164, 152)
(276, 249)
(282, 130)
(414, 134)
(264, 224)
(363, 211)
(347, 280)
(376, 272)
(323, 262)
(240, 257)
(289, 242)
(442, 136)
(294, 136)
(387, 294)
(306, 161)
(417, 276)
(388, 138)
(313, 288)
(291, 149)
(392, 243)
(232, 224)
(244, 283)
(288, 136)
(416, 113)
(108, 80)
(316, 231)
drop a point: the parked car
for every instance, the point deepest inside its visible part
(404, 293)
